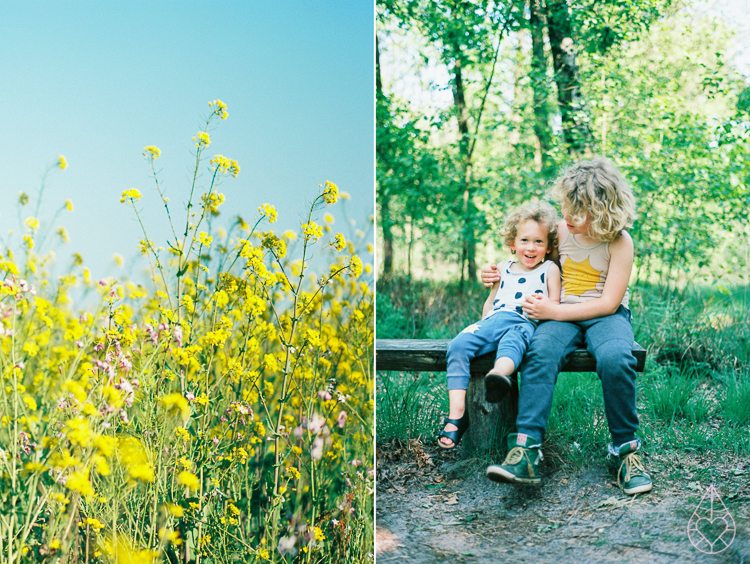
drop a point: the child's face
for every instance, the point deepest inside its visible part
(573, 227)
(530, 244)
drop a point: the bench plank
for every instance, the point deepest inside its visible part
(428, 355)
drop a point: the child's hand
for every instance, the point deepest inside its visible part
(490, 275)
(539, 307)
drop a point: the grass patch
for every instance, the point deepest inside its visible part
(735, 404)
(410, 404)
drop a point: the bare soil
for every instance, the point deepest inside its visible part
(434, 507)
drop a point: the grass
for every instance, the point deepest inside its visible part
(693, 397)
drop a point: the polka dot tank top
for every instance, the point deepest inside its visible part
(515, 286)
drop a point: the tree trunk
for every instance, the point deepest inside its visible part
(464, 143)
(576, 132)
(383, 198)
(539, 84)
(489, 423)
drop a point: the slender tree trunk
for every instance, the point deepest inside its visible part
(576, 132)
(385, 221)
(468, 242)
(539, 84)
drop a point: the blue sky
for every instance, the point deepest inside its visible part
(98, 81)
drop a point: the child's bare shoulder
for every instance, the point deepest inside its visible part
(624, 242)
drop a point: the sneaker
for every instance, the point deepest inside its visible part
(496, 386)
(521, 466)
(631, 475)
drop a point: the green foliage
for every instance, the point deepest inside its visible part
(657, 94)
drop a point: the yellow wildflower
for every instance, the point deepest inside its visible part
(268, 211)
(202, 139)
(189, 480)
(219, 108)
(62, 162)
(312, 231)
(205, 239)
(32, 224)
(133, 195)
(176, 401)
(338, 243)
(223, 164)
(152, 152)
(331, 193)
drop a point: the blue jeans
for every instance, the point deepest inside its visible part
(508, 332)
(609, 340)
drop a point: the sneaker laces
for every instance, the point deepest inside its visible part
(514, 456)
(517, 454)
(631, 462)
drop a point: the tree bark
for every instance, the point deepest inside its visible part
(468, 244)
(383, 198)
(576, 132)
(539, 84)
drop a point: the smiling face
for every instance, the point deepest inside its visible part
(530, 244)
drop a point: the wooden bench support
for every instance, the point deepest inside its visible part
(489, 422)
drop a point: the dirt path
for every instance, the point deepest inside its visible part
(433, 507)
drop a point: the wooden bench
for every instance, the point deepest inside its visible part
(428, 355)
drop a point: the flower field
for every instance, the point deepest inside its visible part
(223, 414)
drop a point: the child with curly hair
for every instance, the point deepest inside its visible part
(531, 234)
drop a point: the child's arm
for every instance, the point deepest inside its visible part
(554, 283)
(490, 299)
(615, 286)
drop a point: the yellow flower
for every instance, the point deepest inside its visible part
(32, 224)
(267, 210)
(205, 239)
(331, 193)
(132, 194)
(93, 523)
(152, 152)
(219, 108)
(223, 164)
(175, 510)
(328, 218)
(69, 205)
(202, 139)
(355, 266)
(62, 162)
(79, 482)
(312, 231)
(63, 233)
(118, 260)
(176, 401)
(319, 536)
(189, 480)
(338, 243)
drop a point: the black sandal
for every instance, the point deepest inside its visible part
(496, 387)
(455, 436)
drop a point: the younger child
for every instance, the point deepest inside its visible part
(531, 234)
(596, 256)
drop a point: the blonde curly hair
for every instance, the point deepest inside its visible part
(541, 212)
(596, 189)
